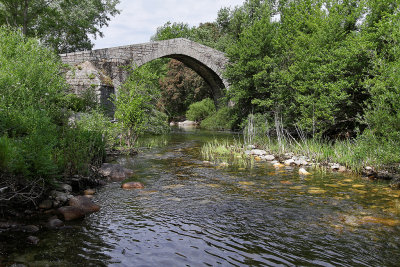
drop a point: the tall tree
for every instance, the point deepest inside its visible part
(64, 25)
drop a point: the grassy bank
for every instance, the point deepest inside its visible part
(355, 155)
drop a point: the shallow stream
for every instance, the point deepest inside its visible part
(195, 214)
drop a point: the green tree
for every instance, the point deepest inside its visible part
(172, 30)
(181, 87)
(135, 105)
(64, 25)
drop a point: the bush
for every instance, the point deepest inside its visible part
(223, 119)
(200, 110)
(157, 123)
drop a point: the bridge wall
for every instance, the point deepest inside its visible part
(102, 69)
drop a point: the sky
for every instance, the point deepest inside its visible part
(139, 19)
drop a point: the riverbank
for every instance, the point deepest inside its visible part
(309, 154)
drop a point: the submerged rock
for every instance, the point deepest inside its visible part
(376, 220)
(115, 172)
(133, 185)
(84, 203)
(89, 192)
(278, 165)
(303, 171)
(71, 213)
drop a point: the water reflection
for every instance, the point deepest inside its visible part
(196, 214)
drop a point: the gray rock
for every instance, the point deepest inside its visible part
(335, 167)
(288, 155)
(46, 204)
(269, 157)
(187, 123)
(66, 188)
(251, 147)
(289, 162)
(115, 172)
(258, 152)
(301, 162)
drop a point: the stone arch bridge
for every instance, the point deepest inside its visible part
(103, 70)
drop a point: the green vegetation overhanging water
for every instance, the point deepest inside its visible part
(193, 213)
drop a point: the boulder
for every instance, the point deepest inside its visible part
(115, 172)
(301, 162)
(187, 123)
(269, 157)
(71, 213)
(84, 203)
(133, 185)
(258, 152)
(46, 204)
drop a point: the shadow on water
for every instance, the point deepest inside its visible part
(193, 213)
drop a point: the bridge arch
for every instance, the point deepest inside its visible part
(105, 64)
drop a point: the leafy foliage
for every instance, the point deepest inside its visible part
(179, 88)
(223, 119)
(36, 142)
(64, 25)
(200, 110)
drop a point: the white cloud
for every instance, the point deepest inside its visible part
(139, 19)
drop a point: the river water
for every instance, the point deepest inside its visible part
(194, 214)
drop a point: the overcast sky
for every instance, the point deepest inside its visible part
(139, 19)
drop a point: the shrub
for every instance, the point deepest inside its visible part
(223, 119)
(200, 110)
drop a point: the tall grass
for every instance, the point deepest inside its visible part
(224, 151)
(354, 154)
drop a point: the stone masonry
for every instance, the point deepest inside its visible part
(103, 69)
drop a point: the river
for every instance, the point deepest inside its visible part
(194, 214)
